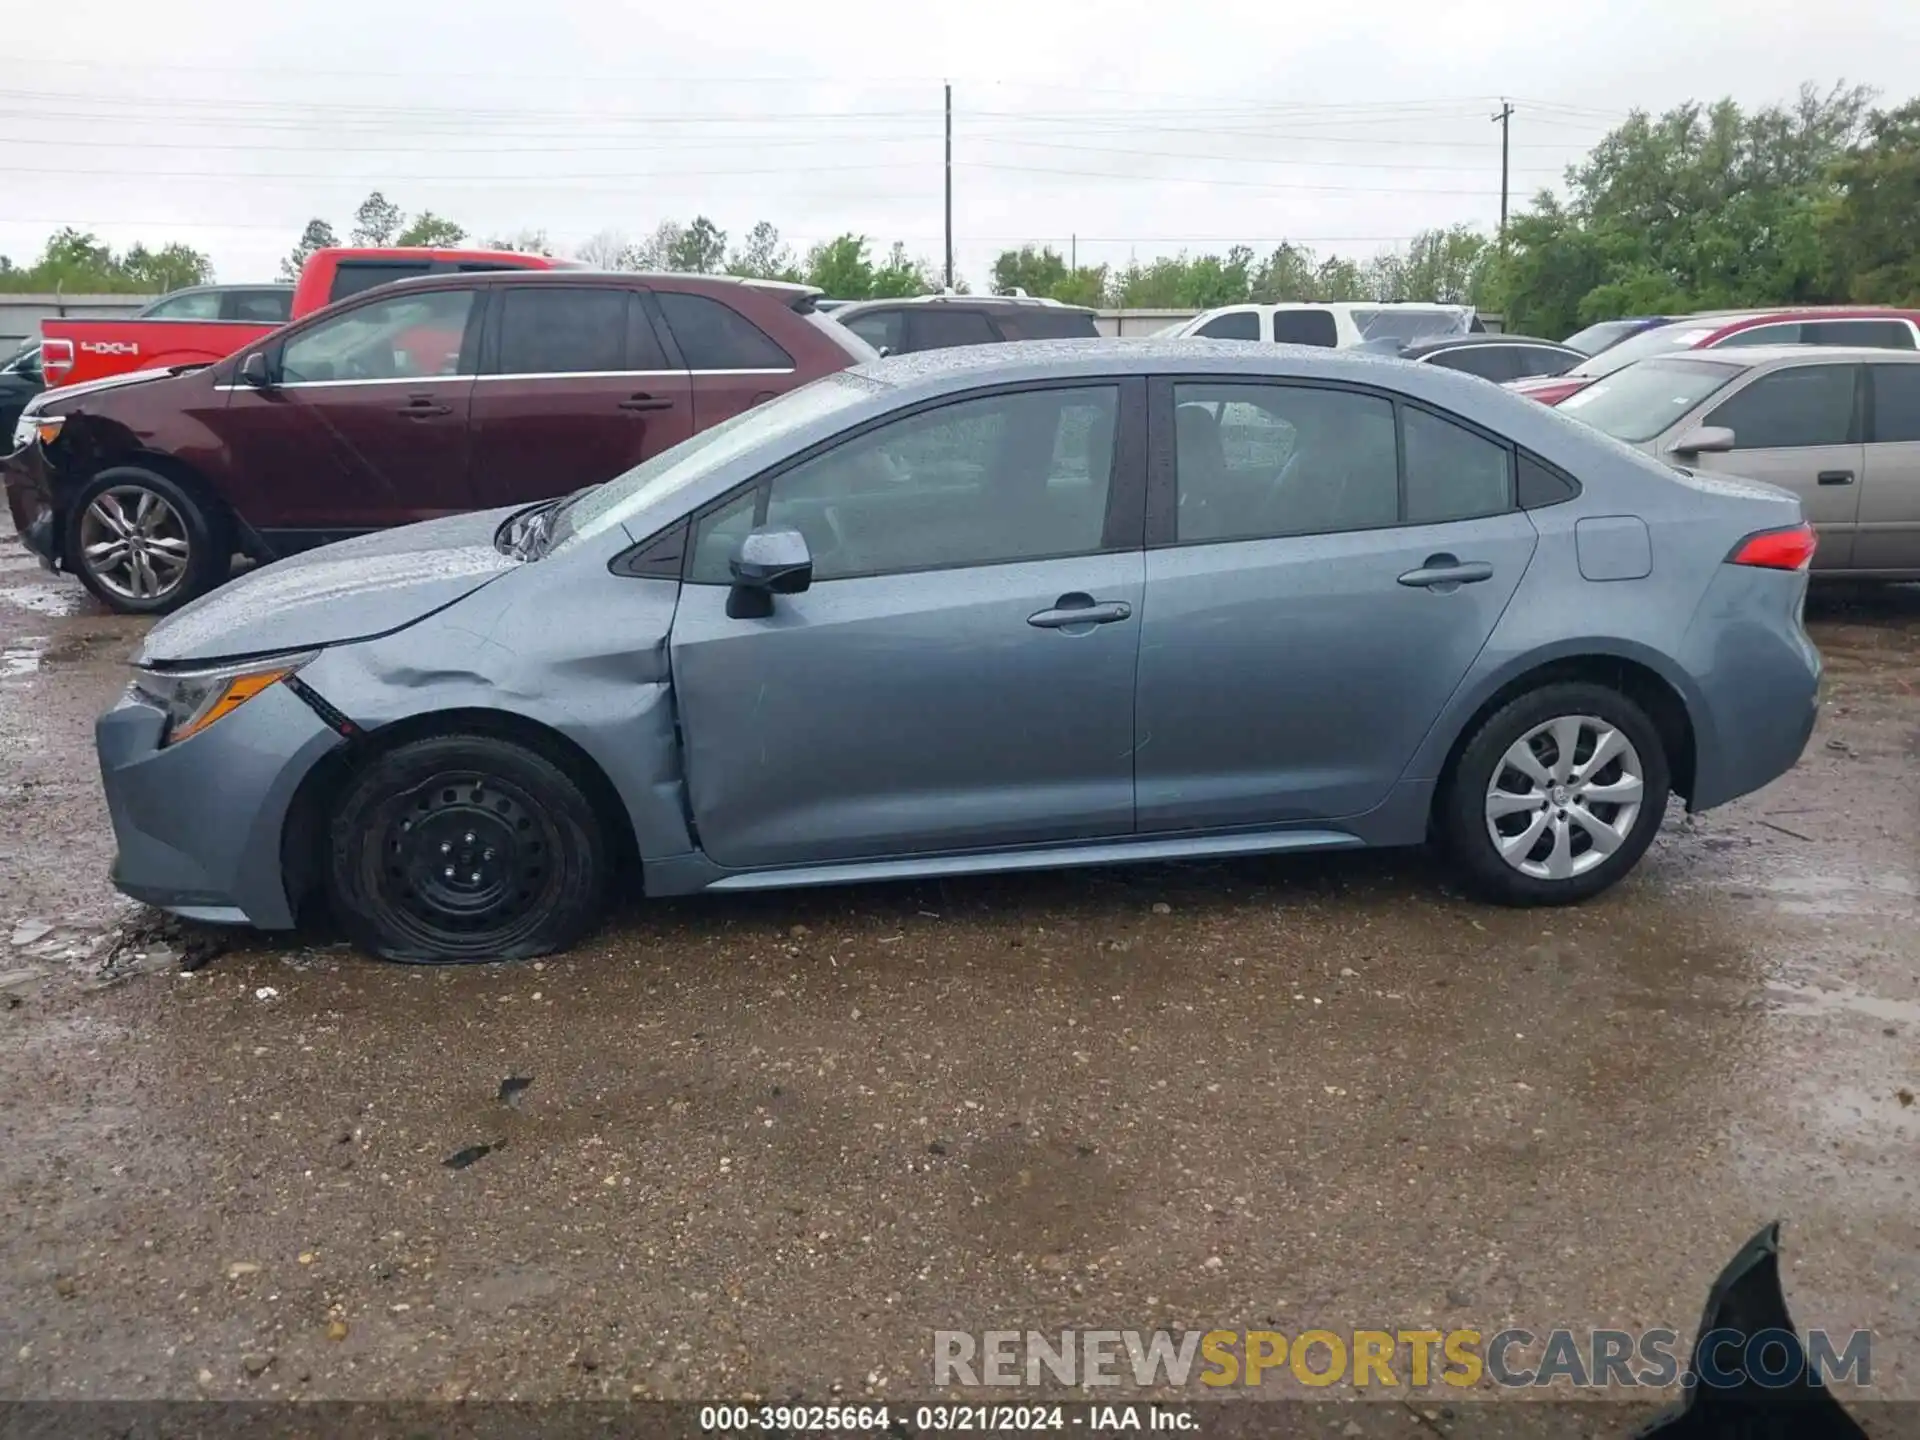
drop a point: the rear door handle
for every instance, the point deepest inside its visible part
(1836, 477)
(1079, 608)
(422, 407)
(644, 401)
(1444, 572)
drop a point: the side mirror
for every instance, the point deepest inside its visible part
(1704, 440)
(885, 350)
(253, 371)
(768, 563)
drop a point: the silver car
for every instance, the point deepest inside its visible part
(984, 609)
(1838, 427)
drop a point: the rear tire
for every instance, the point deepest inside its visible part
(1529, 824)
(144, 544)
(466, 848)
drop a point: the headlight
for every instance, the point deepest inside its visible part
(195, 699)
(23, 430)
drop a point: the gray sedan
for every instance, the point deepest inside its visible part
(1838, 427)
(986, 609)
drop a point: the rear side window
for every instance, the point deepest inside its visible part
(1238, 325)
(263, 307)
(938, 328)
(1452, 473)
(1789, 409)
(1305, 327)
(1489, 362)
(880, 329)
(1896, 403)
(546, 331)
(353, 276)
(712, 336)
(1043, 322)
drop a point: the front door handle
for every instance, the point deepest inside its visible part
(1444, 572)
(1079, 608)
(423, 407)
(644, 401)
(1836, 477)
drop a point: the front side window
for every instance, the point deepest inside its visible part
(548, 331)
(404, 337)
(1306, 327)
(1257, 461)
(1530, 360)
(200, 305)
(1789, 409)
(713, 336)
(1874, 334)
(1019, 476)
(1452, 473)
(1234, 325)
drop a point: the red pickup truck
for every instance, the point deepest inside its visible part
(75, 351)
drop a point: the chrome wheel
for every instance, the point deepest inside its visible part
(134, 543)
(1564, 797)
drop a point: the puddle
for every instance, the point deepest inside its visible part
(1837, 894)
(22, 656)
(43, 599)
(1813, 1000)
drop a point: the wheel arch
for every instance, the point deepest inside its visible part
(303, 834)
(1640, 675)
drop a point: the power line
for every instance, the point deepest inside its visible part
(1212, 180)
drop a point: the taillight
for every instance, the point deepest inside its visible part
(56, 357)
(1788, 549)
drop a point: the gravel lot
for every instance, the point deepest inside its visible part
(771, 1143)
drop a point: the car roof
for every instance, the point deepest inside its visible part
(675, 278)
(989, 302)
(1449, 342)
(1752, 357)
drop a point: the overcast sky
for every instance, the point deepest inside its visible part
(1143, 128)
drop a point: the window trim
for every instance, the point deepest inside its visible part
(1122, 528)
(1859, 415)
(1163, 494)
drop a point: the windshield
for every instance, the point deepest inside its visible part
(1661, 340)
(1411, 324)
(1595, 338)
(692, 460)
(1637, 403)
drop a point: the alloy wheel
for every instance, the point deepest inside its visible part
(1564, 797)
(134, 544)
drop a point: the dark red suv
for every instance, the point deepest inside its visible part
(421, 398)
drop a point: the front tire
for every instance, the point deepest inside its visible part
(466, 848)
(143, 543)
(1556, 796)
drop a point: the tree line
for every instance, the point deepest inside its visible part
(1706, 206)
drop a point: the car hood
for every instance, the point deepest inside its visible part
(50, 400)
(351, 591)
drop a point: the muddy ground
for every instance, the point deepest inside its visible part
(772, 1143)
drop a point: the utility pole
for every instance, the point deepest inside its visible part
(1503, 120)
(949, 89)
(1073, 249)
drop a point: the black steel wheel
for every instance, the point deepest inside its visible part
(466, 848)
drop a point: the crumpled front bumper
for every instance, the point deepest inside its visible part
(198, 825)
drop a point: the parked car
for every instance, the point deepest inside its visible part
(1338, 325)
(932, 322)
(427, 397)
(169, 334)
(255, 304)
(1595, 338)
(20, 381)
(1873, 326)
(1492, 357)
(951, 613)
(1839, 428)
